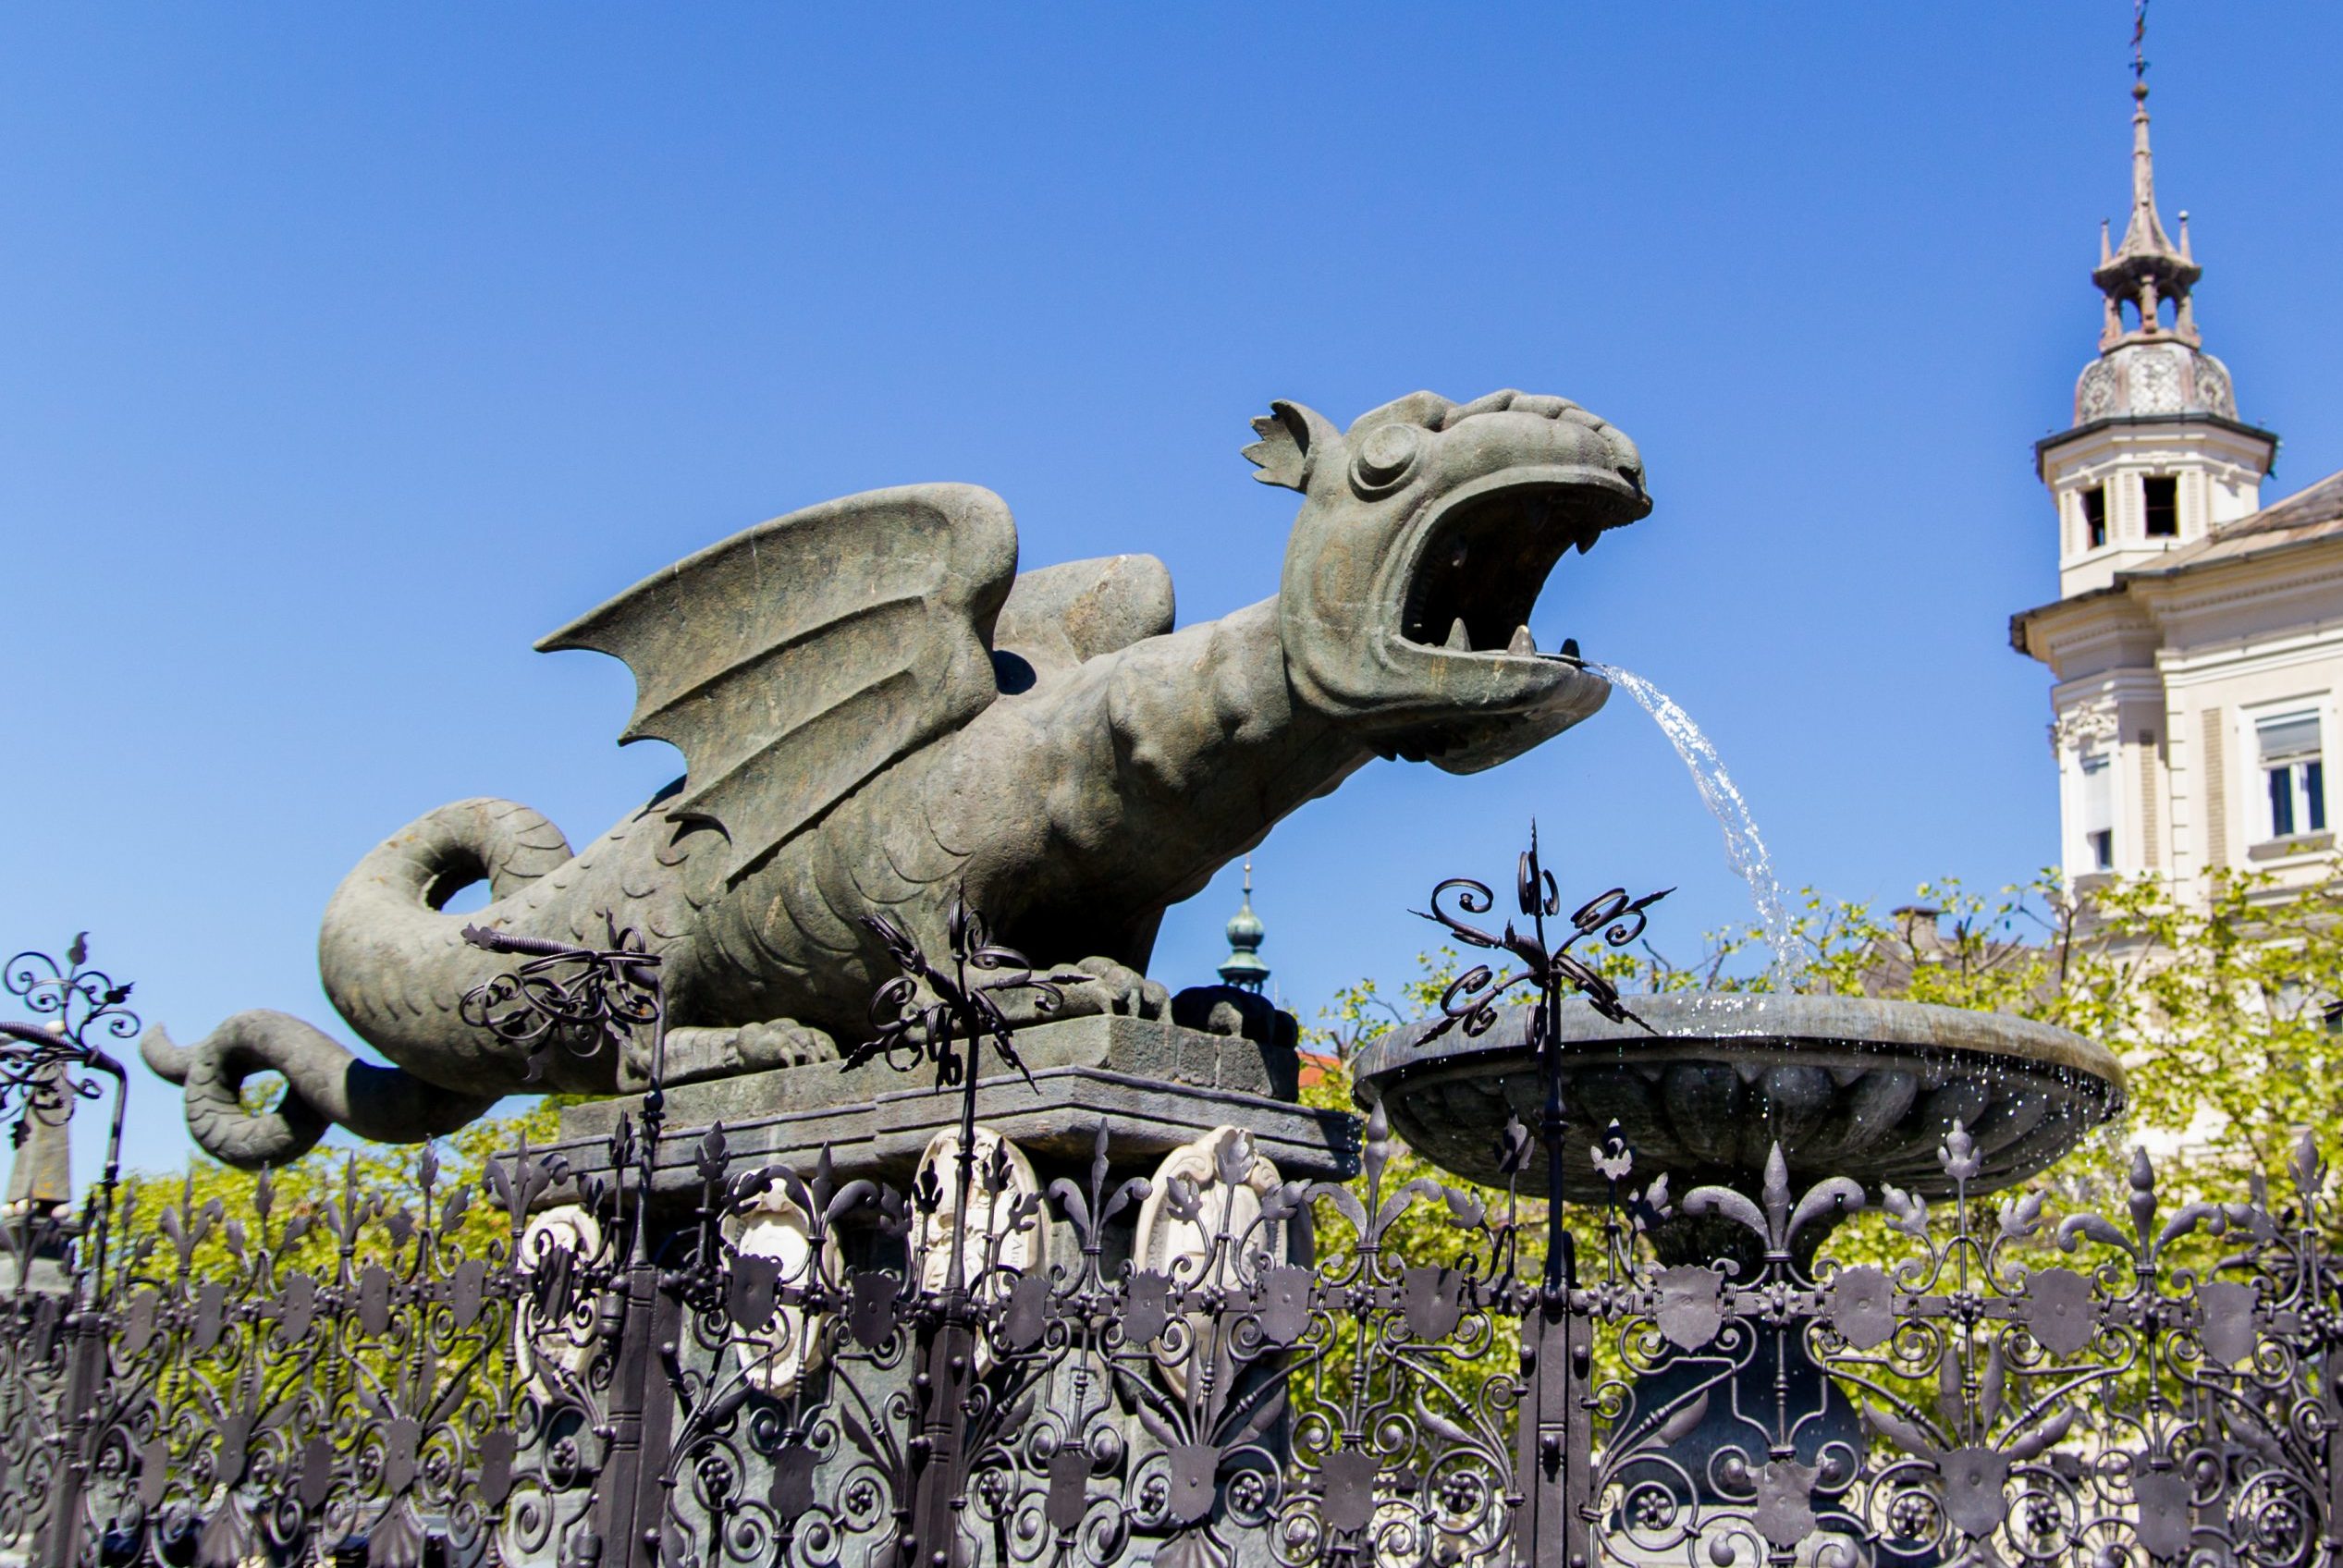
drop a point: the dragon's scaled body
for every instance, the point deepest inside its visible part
(879, 714)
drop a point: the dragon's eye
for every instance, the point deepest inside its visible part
(1385, 457)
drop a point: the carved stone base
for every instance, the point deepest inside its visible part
(1152, 1083)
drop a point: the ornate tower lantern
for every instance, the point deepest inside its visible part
(2155, 460)
(2156, 456)
(1243, 968)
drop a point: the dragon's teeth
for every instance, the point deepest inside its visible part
(1459, 639)
(1522, 642)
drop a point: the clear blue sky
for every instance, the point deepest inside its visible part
(350, 348)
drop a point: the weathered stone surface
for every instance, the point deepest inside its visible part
(1848, 1086)
(880, 716)
(1154, 1085)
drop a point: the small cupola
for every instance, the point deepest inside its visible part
(1243, 968)
(2146, 365)
(2147, 269)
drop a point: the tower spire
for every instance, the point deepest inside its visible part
(2147, 268)
(1243, 968)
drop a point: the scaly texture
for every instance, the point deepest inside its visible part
(879, 716)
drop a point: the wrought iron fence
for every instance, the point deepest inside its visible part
(1207, 1365)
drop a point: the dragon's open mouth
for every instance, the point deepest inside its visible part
(1481, 561)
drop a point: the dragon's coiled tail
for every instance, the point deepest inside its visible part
(397, 968)
(324, 1084)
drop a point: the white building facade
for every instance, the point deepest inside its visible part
(2198, 635)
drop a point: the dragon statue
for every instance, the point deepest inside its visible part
(881, 715)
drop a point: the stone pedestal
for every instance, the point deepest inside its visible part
(1152, 1083)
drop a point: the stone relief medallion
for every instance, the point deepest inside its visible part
(2213, 389)
(994, 1248)
(788, 1345)
(2155, 384)
(1201, 1225)
(2095, 397)
(550, 1345)
(2081, 728)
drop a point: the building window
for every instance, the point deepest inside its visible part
(2293, 774)
(2098, 812)
(2160, 502)
(2094, 517)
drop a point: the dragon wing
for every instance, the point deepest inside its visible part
(797, 659)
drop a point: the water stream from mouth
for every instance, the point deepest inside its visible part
(1744, 849)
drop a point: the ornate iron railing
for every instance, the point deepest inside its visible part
(1205, 1366)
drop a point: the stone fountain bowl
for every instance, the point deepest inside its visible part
(1850, 1086)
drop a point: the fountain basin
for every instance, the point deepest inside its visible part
(1850, 1085)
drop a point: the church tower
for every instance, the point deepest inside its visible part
(2197, 637)
(2156, 458)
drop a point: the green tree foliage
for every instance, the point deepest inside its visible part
(2214, 995)
(1360, 1015)
(2216, 1004)
(314, 1198)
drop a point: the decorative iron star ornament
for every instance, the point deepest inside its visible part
(576, 999)
(1471, 998)
(926, 1010)
(75, 999)
(73, 1004)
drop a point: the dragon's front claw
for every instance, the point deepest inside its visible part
(1110, 987)
(694, 1052)
(1123, 990)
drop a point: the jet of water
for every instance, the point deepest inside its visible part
(1744, 849)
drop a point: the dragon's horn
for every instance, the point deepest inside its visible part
(1291, 436)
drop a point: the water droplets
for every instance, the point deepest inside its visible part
(1744, 849)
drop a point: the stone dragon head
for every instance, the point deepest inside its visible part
(1427, 532)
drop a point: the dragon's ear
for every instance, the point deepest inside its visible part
(1291, 436)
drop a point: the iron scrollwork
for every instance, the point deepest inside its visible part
(1020, 1357)
(52, 1364)
(582, 1000)
(1551, 968)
